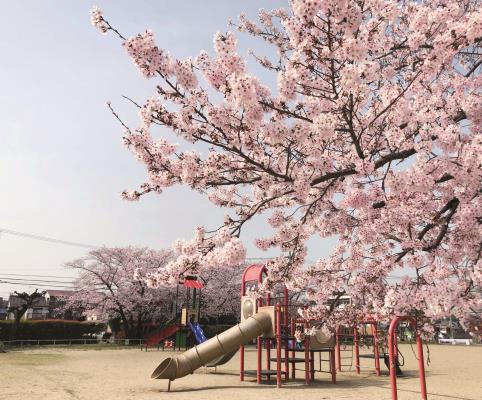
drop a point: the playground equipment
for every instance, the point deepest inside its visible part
(201, 338)
(198, 332)
(228, 341)
(157, 337)
(392, 349)
(253, 276)
(188, 316)
(350, 337)
(391, 360)
(366, 331)
(269, 322)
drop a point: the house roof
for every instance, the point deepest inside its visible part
(15, 301)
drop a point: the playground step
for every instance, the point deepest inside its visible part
(264, 372)
(290, 359)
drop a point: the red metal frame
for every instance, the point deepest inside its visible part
(307, 355)
(259, 348)
(286, 325)
(255, 273)
(332, 366)
(267, 340)
(356, 349)
(292, 332)
(258, 364)
(338, 350)
(278, 345)
(392, 342)
(376, 350)
(252, 273)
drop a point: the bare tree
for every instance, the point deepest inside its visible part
(26, 301)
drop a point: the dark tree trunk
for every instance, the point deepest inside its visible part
(139, 326)
(126, 327)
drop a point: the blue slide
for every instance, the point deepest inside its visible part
(200, 338)
(198, 333)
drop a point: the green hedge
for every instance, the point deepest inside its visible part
(50, 329)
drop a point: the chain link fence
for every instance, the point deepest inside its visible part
(24, 343)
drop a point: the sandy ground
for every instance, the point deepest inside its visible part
(455, 372)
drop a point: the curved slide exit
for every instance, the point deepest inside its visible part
(226, 342)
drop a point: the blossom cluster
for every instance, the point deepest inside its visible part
(372, 136)
(97, 20)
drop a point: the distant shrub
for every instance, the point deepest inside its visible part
(51, 329)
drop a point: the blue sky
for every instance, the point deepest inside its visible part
(62, 163)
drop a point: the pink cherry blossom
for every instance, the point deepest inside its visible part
(372, 136)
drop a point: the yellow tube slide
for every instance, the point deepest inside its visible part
(177, 367)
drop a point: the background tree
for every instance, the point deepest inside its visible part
(372, 136)
(113, 283)
(21, 303)
(221, 295)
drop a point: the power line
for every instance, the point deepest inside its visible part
(36, 284)
(39, 276)
(34, 280)
(47, 239)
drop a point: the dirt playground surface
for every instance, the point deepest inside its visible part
(455, 372)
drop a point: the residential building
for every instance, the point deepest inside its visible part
(47, 307)
(39, 310)
(55, 300)
(3, 308)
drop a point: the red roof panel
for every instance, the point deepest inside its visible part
(191, 283)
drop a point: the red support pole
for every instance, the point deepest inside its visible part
(267, 347)
(278, 345)
(286, 325)
(293, 365)
(392, 341)
(268, 341)
(241, 363)
(312, 366)
(287, 364)
(259, 303)
(332, 366)
(258, 369)
(241, 348)
(338, 349)
(356, 349)
(391, 354)
(307, 355)
(421, 367)
(376, 352)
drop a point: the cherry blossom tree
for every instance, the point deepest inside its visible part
(221, 294)
(372, 135)
(113, 283)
